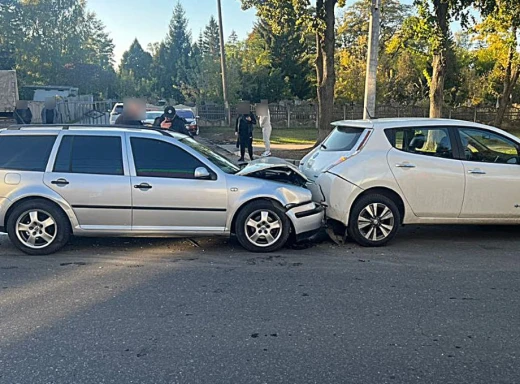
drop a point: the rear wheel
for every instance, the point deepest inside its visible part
(374, 221)
(38, 227)
(261, 226)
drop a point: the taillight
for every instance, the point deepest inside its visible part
(342, 159)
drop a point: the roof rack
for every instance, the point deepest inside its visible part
(66, 127)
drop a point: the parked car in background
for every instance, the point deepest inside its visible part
(116, 111)
(377, 175)
(189, 116)
(151, 116)
(60, 181)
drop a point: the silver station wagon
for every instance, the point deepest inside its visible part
(58, 181)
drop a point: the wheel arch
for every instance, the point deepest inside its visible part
(246, 203)
(387, 192)
(32, 198)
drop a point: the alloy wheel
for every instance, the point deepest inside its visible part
(376, 222)
(263, 228)
(36, 229)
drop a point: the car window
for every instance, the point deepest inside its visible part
(25, 153)
(488, 147)
(342, 139)
(98, 155)
(118, 109)
(154, 158)
(434, 142)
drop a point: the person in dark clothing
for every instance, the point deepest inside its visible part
(131, 114)
(172, 122)
(244, 130)
(22, 114)
(50, 114)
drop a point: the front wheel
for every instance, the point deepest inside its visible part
(261, 226)
(38, 227)
(374, 220)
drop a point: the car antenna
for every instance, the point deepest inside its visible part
(368, 113)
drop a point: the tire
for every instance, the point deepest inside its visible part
(374, 220)
(51, 233)
(271, 229)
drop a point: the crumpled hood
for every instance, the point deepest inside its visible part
(270, 163)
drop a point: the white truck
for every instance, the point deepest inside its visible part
(8, 92)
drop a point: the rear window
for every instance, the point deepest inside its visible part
(25, 153)
(342, 139)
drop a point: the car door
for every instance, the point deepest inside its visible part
(492, 167)
(91, 174)
(430, 177)
(167, 197)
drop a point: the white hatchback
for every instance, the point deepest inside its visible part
(377, 175)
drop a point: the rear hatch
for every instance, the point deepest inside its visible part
(279, 170)
(342, 143)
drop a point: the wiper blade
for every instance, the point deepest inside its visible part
(323, 146)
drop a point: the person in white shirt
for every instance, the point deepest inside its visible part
(265, 123)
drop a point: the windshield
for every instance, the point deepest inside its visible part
(185, 114)
(220, 161)
(342, 139)
(153, 115)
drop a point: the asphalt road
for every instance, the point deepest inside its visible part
(440, 305)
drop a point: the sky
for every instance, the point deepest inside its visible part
(148, 21)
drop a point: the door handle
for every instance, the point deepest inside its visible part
(476, 172)
(143, 186)
(60, 182)
(405, 165)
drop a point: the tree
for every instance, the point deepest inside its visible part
(210, 39)
(320, 20)
(137, 61)
(352, 39)
(289, 53)
(500, 31)
(173, 59)
(9, 39)
(47, 39)
(435, 19)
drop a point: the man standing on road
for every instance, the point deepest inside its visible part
(244, 130)
(172, 122)
(265, 123)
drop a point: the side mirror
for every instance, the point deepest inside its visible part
(202, 173)
(197, 117)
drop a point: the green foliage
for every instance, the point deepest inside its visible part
(47, 39)
(137, 61)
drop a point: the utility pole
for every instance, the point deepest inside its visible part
(372, 61)
(223, 62)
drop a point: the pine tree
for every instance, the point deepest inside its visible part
(137, 61)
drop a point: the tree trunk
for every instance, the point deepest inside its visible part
(439, 63)
(325, 70)
(510, 80)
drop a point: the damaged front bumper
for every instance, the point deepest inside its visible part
(307, 219)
